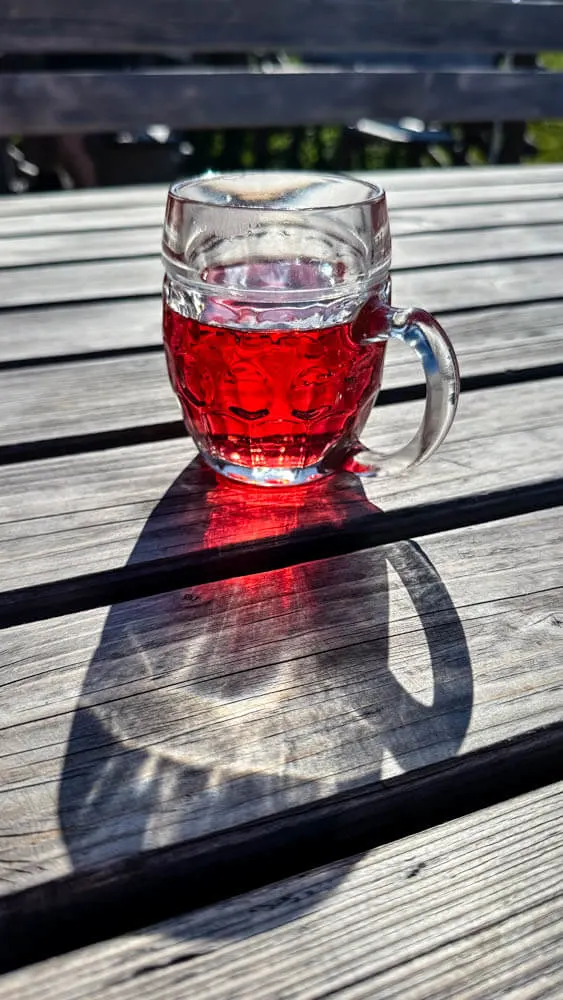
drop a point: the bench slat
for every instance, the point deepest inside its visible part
(91, 520)
(319, 26)
(142, 196)
(115, 393)
(430, 207)
(36, 335)
(409, 251)
(472, 908)
(439, 289)
(43, 102)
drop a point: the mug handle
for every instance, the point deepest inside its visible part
(424, 334)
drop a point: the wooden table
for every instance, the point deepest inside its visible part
(255, 747)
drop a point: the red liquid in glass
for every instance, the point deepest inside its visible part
(276, 398)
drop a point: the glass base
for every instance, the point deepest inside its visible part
(261, 476)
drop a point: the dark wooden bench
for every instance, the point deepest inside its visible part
(54, 99)
(318, 737)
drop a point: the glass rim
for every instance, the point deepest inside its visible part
(372, 193)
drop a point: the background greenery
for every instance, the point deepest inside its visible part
(548, 136)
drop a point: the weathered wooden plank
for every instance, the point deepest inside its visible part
(47, 102)
(412, 210)
(81, 200)
(90, 397)
(91, 510)
(478, 175)
(150, 195)
(437, 25)
(121, 392)
(409, 251)
(448, 218)
(407, 221)
(478, 195)
(484, 245)
(91, 280)
(188, 712)
(44, 221)
(25, 251)
(446, 288)
(472, 908)
(57, 331)
(35, 333)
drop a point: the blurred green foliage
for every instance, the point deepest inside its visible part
(548, 136)
(319, 147)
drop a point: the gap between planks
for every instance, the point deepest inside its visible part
(253, 558)
(136, 503)
(471, 908)
(66, 914)
(184, 715)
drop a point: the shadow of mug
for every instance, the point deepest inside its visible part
(206, 708)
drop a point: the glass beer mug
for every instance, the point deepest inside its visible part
(277, 313)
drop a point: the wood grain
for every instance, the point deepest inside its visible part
(115, 394)
(409, 251)
(431, 207)
(189, 712)
(451, 218)
(147, 195)
(151, 26)
(45, 221)
(457, 286)
(185, 714)
(48, 102)
(81, 235)
(405, 220)
(470, 908)
(485, 245)
(480, 336)
(24, 251)
(89, 511)
(45, 332)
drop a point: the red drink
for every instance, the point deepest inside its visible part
(272, 398)
(276, 316)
